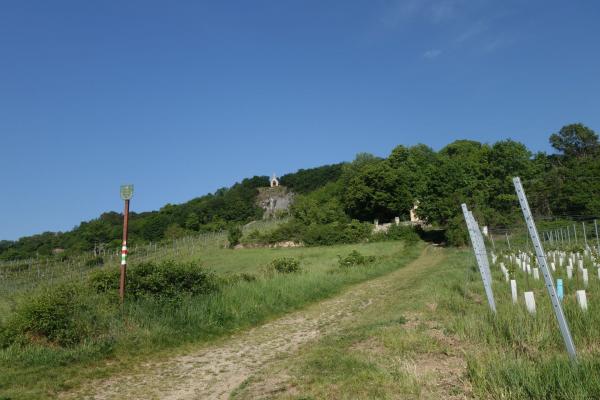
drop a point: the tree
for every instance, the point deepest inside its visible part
(415, 164)
(459, 176)
(174, 231)
(154, 226)
(192, 221)
(378, 191)
(574, 188)
(308, 180)
(575, 140)
(506, 160)
(361, 160)
(308, 210)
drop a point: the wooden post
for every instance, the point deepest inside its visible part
(126, 194)
(123, 279)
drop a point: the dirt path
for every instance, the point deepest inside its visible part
(216, 370)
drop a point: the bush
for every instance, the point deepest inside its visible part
(322, 235)
(286, 265)
(61, 315)
(167, 280)
(400, 232)
(291, 230)
(253, 237)
(355, 258)
(234, 235)
(356, 231)
(336, 233)
(456, 232)
(316, 234)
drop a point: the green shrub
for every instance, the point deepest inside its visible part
(62, 315)
(291, 230)
(322, 235)
(167, 279)
(234, 235)
(286, 265)
(355, 258)
(356, 231)
(105, 280)
(401, 232)
(319, 234)
(253, 237)
(456, 232)
(336, 233)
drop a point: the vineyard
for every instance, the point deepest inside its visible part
(553, 275)
(25, 274)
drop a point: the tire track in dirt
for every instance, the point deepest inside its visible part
(214, 371)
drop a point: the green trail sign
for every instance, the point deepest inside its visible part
(126, 192)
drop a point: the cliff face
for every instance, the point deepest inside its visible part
(274, 199)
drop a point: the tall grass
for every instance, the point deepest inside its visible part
(513, 354)
(146, 325)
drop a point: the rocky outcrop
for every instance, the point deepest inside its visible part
(274, 200)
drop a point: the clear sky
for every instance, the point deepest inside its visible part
(183, 97)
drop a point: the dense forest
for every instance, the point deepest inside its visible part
(337, 198)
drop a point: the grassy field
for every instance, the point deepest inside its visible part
(149, 328)
(433, 337)
(430, 334)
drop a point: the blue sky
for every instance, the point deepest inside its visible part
(181, 98)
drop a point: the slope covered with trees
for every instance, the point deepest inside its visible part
(333, 199)
(208, 213)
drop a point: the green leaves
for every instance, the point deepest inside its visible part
(355, 258)
(286, 265)
(61, 315)
(378, 191)
(234, 235)
(166, 280)
(575, 140)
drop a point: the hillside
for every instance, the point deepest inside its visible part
(210, 213)
(371, 188)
